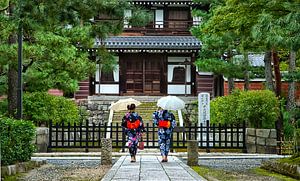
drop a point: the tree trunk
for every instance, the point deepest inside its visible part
(279, 122)
(12, 90)
(291, 103)
(246, 72)
(12, 75)
(230, 79)
(276, 73)
(230, 85)
(268, 71)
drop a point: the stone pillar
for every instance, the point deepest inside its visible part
(106, 151)
(192, 152)
(42, 139)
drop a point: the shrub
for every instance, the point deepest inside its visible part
(41, 107)
(16, 140)
(259, 109)
(223, 109)
(3, 106)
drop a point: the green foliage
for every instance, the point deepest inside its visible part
(106, 60)
(4, 4)
(3, 107)
(289, 124)
(221, 67)
(140, 17)
(259, 109)
(16, 140)
(54, 32)
(41, 107)
(223, 109)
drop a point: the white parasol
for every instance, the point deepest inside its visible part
(171, 103)
(121, 104)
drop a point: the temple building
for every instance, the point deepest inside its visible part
(154, 60)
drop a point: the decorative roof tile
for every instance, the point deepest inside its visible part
(151, 42)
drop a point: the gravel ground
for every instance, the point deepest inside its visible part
(240, 165)
(68, 170)
(92, 170)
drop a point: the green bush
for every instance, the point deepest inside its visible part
(259, 109)
(3, 107)
(223, 109)
(41, 107)
(16, 140)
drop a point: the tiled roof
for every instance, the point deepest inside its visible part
(255, 59)
(152, 42)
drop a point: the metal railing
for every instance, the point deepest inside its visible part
(174, 25)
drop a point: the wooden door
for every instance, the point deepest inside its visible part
(153, 75)
(134, 75)
(144, 74)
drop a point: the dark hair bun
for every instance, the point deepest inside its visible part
(131, 107)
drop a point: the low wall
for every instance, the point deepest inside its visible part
(261, 141)
(98, 110)
(20, 168)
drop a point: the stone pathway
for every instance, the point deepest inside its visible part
(150, 168)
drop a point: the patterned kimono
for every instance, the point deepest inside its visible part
(133, 130)
(164, 133)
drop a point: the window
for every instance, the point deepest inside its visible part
(178, 75)
(107, 77)
(178, 18)
(127, 15)
(159, 18)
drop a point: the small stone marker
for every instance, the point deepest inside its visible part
(106, 151)
(203, 115)
(203, 108)
(192, 151)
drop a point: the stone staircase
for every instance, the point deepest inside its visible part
(145, 110)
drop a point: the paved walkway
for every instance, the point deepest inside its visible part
(150, 168)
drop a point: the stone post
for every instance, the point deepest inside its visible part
(42, 139)
(106, 151)
(192, 152)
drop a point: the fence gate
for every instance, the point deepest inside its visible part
(89, 136)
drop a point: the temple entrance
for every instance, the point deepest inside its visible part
(144, 74)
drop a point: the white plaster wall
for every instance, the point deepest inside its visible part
(108, 89)
(179, 89)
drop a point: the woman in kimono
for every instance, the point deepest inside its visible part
(165, 121)
(133, 125)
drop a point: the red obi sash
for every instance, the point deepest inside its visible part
(164, 123)
(133, 125)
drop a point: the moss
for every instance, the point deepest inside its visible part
(294, 160)
(214, 174)
(263, 172)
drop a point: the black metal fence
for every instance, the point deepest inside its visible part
(89, 136)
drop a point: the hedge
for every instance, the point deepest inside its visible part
(41, 107)
(16, 140)
(260, 108)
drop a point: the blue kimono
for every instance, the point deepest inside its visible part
(166, 123)
(133, 125)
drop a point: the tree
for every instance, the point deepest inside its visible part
(54, 31)
(230, 22)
